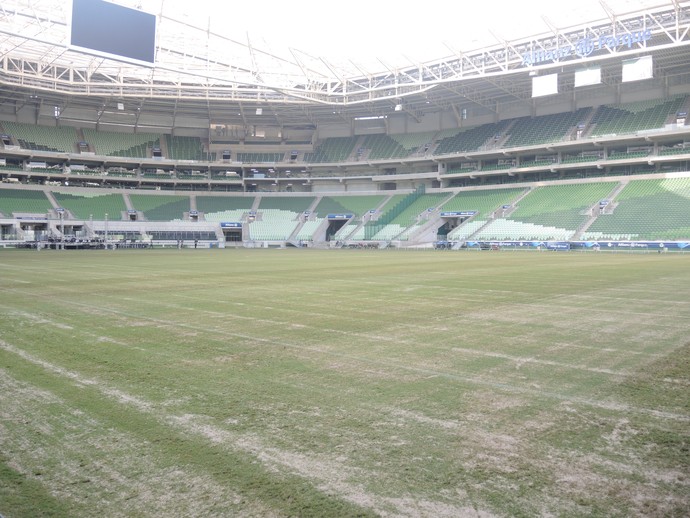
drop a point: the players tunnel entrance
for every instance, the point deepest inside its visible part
(453, 219)
(335, 223)
(232, 231)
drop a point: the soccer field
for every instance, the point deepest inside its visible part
(344, 383)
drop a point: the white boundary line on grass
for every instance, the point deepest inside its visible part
(328, 476)
(620, 407)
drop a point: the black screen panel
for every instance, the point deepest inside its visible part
(115, 30)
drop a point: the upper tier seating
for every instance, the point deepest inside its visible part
(256, 158)
(415, 141)
(334, 149)
(382, 147)
(184, 148)
(471, 139)
(110, 143)
(510, 133)
(529, 131)
(60, 139)
(633, 117)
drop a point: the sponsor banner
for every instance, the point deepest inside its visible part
(581, 245)
(586, 46)
(556, 245)
(631, 245)
(460, 213)
(549, 245)
(508, 244)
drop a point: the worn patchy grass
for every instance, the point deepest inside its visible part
(344, 383)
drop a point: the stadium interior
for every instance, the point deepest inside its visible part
(579, 137)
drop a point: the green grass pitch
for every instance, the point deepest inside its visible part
(344, 383)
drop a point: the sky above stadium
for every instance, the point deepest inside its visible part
(383, 33)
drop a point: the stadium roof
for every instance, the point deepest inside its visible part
(227, 73)
(376, 36)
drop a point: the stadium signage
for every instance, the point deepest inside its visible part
(230, 224)
(557, 246)
(632, 245)
(636, 244)
(586, 46)
(340, 216)
(460, 213)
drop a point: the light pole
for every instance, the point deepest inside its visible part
(62, 229)
(106, 230)
(61, 215)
